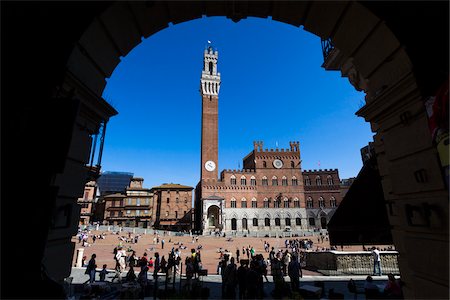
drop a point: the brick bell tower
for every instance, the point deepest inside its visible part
(209, 89)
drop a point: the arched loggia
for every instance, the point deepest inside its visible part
(365, 50)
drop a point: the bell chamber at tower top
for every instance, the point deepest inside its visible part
(210, 80)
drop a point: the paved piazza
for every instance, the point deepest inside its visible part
(103, 248)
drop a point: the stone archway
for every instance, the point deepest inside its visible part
(213, 215)
(366, 51)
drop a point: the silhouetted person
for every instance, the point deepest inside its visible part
(90, 269)
(230, 280)
(242, 279)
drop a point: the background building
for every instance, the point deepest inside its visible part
(113, 182)
(322, 196)
(173, 209)
(87, 203)
(131, 208)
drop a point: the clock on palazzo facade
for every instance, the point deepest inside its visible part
(270, 194)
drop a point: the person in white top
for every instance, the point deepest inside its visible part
(376, 261)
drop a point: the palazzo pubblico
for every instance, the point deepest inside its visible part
(270, 194)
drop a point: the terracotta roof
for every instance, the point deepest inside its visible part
(171, 186)
(116, 195)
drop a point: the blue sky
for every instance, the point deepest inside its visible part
(273, 89)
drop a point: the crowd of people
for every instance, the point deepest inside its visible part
(243, 270)
(248, 278)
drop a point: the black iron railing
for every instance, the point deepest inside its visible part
(327, 47)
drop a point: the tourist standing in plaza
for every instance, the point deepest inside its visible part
(376, 261)
(242, 279)
(103, 273)
(294, 272)
(277, 274)
(230, 280)
(121, 256)
(157, 266)
(90, 269)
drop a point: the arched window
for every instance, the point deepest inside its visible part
(233, 180)
(287, 221)
(243, 180)
(294, 181)
(264, 164)
(307, 181)
(318, 180)
(210, 68)
(233, 224)
(255, 222)
(284, 181)
(333, 202)
(267, 222)
(274, 181)
(253, 181)
(298, 221)
(266, 203)
(276, 203)
(309, 203)
(254, 203)
(312, 221)
(233, 203)
(244, 203)
(321, 202)
(323, 221)
(292, 164)
(296, 203)
(264, 181)
(244, 223)
(286, 203)
(329, 180)
(277, 222)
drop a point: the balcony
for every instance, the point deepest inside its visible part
(115, 208)
(332, 57)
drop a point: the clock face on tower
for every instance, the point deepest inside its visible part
(210, 166)
(277, 163)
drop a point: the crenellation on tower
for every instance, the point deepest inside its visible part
(266, 174)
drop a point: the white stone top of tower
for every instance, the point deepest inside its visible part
(210, 79)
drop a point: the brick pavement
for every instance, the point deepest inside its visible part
(210, 244)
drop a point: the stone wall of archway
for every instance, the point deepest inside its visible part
(368, 53)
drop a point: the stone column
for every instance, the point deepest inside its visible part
(80, 252)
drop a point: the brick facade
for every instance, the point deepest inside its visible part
(173, 206)
(269, 193)
(133, 208)
(87, 202)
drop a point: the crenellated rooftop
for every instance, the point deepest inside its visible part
(319, 170)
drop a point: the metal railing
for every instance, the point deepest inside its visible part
(327, 47)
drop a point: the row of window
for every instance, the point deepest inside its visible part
(177, 200)
(128, 212)
(319, 180)
(298, 222)
(145, 201)
(284, 181)
(321, 202)
(286, 203)
(176, 214)
(264, 181)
